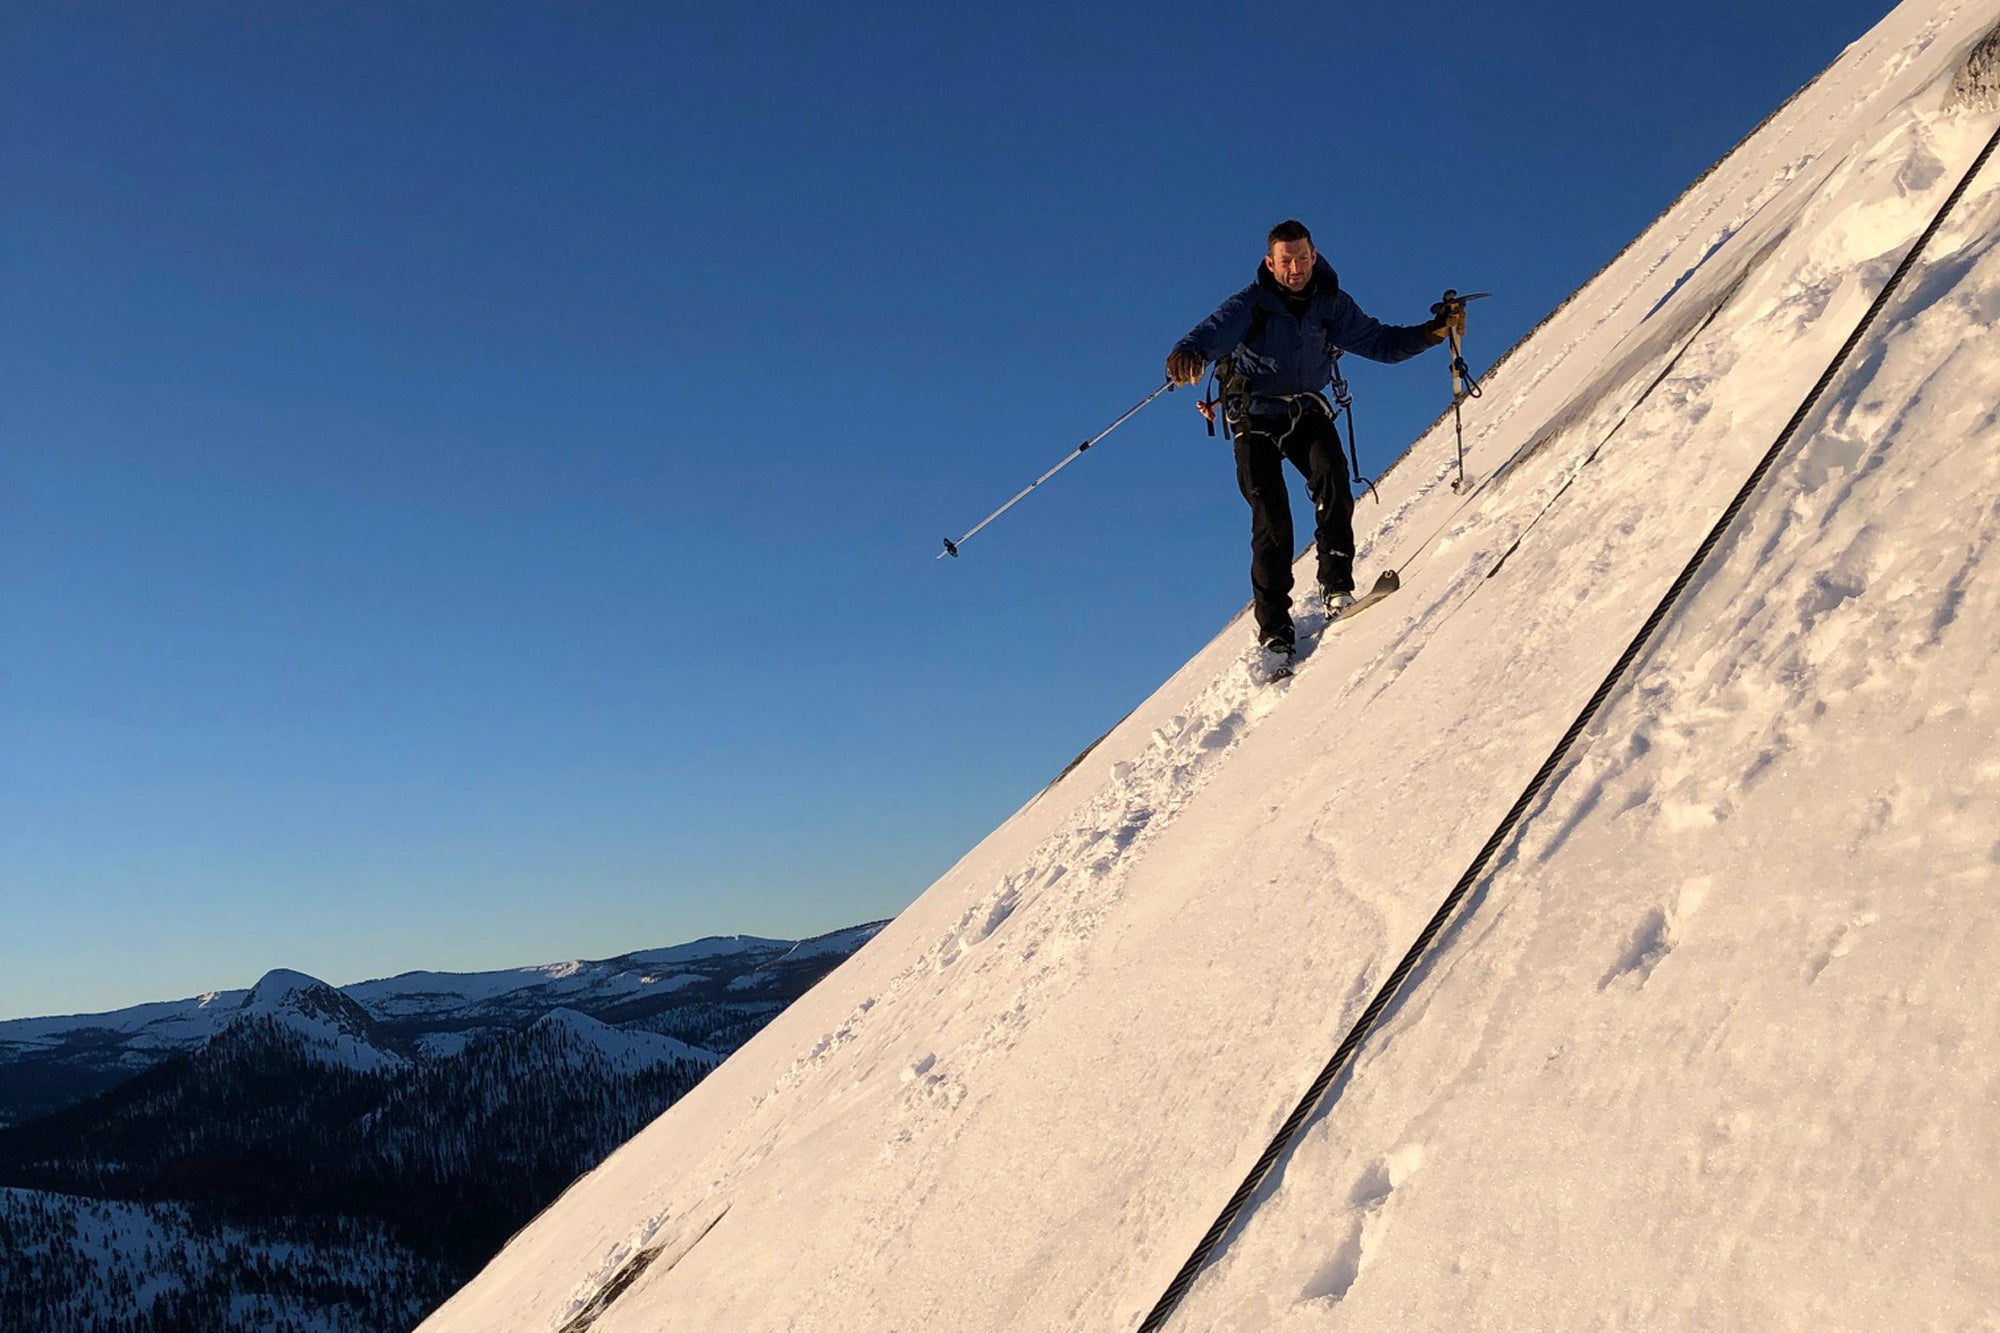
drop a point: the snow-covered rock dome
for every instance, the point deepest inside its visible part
(1712, 1041)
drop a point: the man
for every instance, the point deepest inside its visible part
(1278, 337)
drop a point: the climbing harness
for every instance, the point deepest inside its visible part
(1229, 401)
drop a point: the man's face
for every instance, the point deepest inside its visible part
(1291, 263)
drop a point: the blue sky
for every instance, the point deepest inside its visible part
(472, 471)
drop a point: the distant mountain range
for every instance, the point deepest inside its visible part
(417, 1121)
(706, 996)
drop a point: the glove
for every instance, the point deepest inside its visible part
(1184, 367)
(1447, 319)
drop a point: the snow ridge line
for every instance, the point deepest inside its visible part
(1288, 1132)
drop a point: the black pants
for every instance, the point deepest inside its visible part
(1311, 441)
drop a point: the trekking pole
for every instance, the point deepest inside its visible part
(1343, 401)
(951, 547)
(1463, 384)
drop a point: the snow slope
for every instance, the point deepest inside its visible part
(1714, 1042)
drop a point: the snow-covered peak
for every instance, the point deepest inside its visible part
(627, 1051)
(337, 1030)
(138, 1036)
(282, 988)
(433, 1014)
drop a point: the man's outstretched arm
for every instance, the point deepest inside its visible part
(1356, 331)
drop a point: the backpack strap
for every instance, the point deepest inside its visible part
(1229, 383)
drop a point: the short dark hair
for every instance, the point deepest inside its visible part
(1291, 229)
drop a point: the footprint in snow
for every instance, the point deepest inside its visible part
(1361, 1228)
(997, 914)
(1656, 935)
(1838, 945)
(929, 1088)
(977, 925)
(1651, 941)
(1223, 733)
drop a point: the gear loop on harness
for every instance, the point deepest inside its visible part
(1343, 400)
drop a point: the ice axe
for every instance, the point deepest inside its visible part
(1463, 385)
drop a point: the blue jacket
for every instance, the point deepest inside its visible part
(1294, 352)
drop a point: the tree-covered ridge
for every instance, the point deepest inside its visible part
(256, 1183)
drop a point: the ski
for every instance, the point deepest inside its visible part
(1385, 583)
